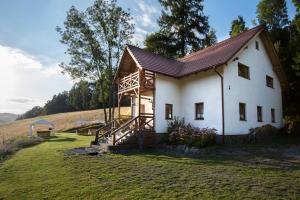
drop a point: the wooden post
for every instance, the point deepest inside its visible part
(114, 139)
(153, 101)
(139, 112)
(119, 108)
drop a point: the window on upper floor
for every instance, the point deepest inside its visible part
(269, 81)
(199, 111)
(243, 71)
(273, 115)
(259, 114)
(169, 111)
(257, 45)
(242, 109)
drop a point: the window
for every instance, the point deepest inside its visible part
(242, 111)
(199, 111)
(259, 114)
(169, 111)
(243, 71)
(269, 81)
(273, 115)
(257, 45)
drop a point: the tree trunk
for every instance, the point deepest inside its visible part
(114, 102)
(103, 102)
(110, 76)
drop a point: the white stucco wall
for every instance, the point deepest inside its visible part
(146, 101)
(202, 87)
(167, 92)
(183, 94)
(253, 92)
(206, 87)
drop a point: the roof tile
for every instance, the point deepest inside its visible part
(207, 58)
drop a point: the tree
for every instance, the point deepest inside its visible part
(296, 20)
(34, 112)
(272, 13)
(58, 104)
(80, 95)
(237, 26)
(95, 40)
(297, 5)
(211, 38)
(160, 43)
(183, 28)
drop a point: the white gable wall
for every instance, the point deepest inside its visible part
(253, 92)
(206, 87)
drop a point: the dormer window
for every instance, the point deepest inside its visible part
(257, 45)
(243, 71)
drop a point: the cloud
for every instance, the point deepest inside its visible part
(26, 82)
(20, 100)
(145, 21)
(147, 8)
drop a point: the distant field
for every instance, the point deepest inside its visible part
(62, 121)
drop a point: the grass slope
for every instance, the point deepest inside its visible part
(62, 121)
(44, 172)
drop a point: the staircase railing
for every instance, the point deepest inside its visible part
(133, 122)
(109, 127)
(144, 122)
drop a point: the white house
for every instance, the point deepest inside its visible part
(232, 86)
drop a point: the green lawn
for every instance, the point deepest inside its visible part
(44, 172)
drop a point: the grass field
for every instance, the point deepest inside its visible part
(62, 121)
(224, 172)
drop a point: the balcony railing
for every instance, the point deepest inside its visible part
(143, 79)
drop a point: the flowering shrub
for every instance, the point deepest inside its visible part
(182, 134)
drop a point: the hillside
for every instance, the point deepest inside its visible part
(62, 121)
(7, 117)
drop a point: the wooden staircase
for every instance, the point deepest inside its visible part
(121, 130)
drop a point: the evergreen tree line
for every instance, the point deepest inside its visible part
(82, 96)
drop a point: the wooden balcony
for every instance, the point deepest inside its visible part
(142, 80)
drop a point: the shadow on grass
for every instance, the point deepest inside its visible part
(61, 139)
(284, 156)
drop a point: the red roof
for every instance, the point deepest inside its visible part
(204, 59)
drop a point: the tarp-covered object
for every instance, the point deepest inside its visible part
(41, 122)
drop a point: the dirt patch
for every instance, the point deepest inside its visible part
(82, 151)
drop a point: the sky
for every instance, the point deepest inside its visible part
(30, 51)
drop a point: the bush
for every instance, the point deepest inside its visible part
(265, 132)
(175, 124)
(11, 146)
(181, 134)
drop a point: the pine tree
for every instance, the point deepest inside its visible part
(237, 26)
(183, 28)
(272, 13)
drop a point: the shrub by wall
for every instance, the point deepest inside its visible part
(180, 133)
(264, 133)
